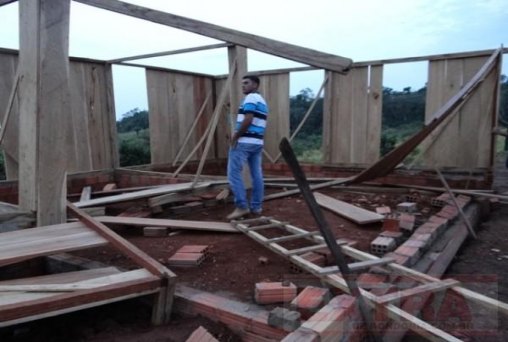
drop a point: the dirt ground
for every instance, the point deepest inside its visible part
(233, 268)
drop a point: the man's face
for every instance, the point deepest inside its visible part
(248, 86)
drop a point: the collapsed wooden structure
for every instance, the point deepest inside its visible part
(461, 107)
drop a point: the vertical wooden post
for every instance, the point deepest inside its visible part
(239, 54)
(44, 107)
(235, 96)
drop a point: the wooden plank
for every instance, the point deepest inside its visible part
(275, 90)
(292, 237)
(374, 114)
(6, 2)
(270, 46)
(86, 193)
(139, 194)
(17, 237)
(168, 53)
(137, 255)
(414, 291)
(349, 211)
(213, 124)
(359, 116)
(63, 278)
(102, 295)
(76, 286)
(356, 266)
(180, 224)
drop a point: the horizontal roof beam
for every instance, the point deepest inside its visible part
(6, 2)
(168, 53)
(273, 47)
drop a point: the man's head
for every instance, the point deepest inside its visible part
(250, 84)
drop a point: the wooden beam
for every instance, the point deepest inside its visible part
(44, 107)
(139, 194)
(213, 124)
(386, 164)
(422, 289)
(178, 224)
(6, 2)
(306, 115)
(140, 257)
(459, 208)
(105, 294)
(458, 55)
(269, 46)
(349, 211)
(168, 53)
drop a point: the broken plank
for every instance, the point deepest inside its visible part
(140, 194)
(349, 211)
(180, 224)
(86, 193)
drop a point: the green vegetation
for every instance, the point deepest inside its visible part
(403, 116)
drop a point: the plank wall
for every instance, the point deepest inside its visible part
(174, 101)
(465, 139)
(8, 66)
(91, 132)
(275, 89)
(352, 116)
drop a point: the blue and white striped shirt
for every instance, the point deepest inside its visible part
(256, 105)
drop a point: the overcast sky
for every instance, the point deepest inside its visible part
(358, 29)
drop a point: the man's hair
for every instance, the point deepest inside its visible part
(253, 78)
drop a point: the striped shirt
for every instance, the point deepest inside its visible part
(254, 104)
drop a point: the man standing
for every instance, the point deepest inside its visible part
(247, 146)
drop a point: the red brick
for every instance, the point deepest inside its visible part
(186, 259)
(310, 300)
(391, 225)
(384, 210)
(370, 280)
(275, 292)
(194, 249)
(333, 320)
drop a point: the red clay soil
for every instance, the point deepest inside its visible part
(233, 268)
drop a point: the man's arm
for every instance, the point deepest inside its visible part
(247, 120)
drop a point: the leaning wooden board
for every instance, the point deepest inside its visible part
(214, 226)
(349, 211)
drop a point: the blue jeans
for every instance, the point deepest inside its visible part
(250, 153)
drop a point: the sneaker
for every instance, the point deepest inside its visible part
(237, 213)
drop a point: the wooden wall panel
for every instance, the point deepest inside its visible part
(464, 140)
(275, 90)
(352, 116)
(174, 101)
(90, 140)
(91, 131)
(227, 117)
